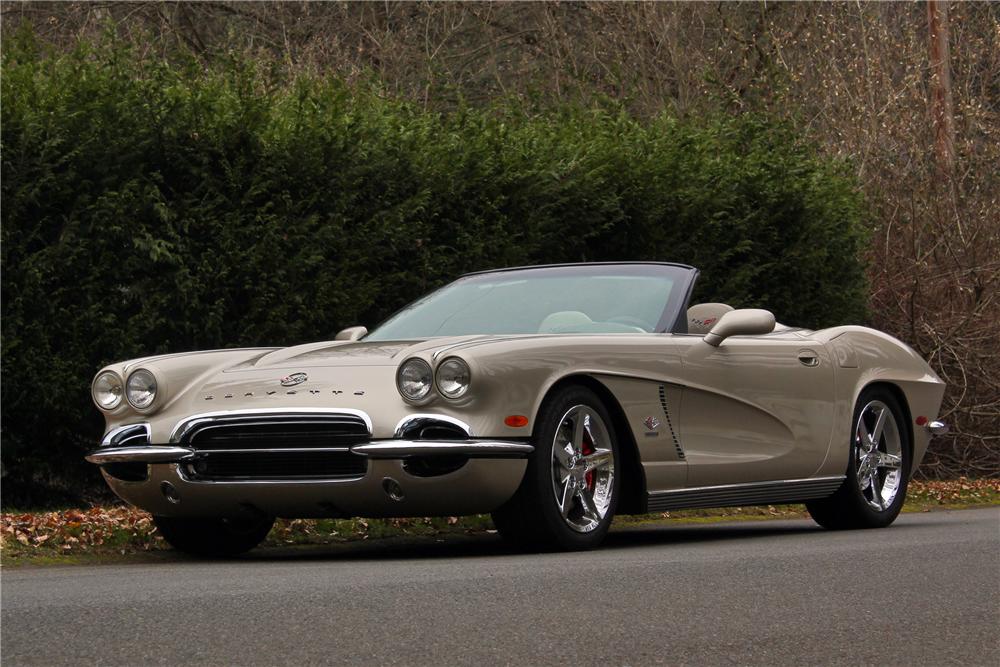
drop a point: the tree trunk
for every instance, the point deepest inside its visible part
(940, 99)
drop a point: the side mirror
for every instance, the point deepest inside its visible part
(352, 333)
(743, 322)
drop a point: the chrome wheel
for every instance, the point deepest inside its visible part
(878, 455)
(583, 468)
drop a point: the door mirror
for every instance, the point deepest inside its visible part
(352, 333)
(743, 322)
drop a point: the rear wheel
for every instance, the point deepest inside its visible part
(213, 537)
(569, 493)
(877, 473)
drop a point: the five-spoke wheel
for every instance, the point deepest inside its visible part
(878, 454)
(583, 468)
(875, 486)
(568, 496)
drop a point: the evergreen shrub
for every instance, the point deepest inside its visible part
(152, 207)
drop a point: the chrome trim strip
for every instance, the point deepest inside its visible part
(753, 493)
(396, 449)
(187, 479)
(272, 450)
(116, 435)
(173, 454)
(186, 424)
(749, 485)
(152, 454)
(406, 423)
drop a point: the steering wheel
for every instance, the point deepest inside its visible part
(632, 322)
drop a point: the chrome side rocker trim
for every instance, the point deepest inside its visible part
(756, 493)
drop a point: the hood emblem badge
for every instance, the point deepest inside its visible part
(293, 379)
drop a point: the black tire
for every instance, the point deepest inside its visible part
(532, 518)
(849, 508)
(213, 537)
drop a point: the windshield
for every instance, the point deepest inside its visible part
(626, 298)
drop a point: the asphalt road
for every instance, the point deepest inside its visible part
(925, 591)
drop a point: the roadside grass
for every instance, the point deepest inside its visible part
(124, 534)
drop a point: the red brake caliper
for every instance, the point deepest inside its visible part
(588, 448)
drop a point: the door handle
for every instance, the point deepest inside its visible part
(808, 358)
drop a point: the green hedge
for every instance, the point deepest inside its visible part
(151, 207)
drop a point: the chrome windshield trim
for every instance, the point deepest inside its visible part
(150, 454)
(397, 449)
(411, 421)
(183, 426)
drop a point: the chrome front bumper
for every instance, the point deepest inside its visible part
(387, 488)
(406, 475)
(377, 449)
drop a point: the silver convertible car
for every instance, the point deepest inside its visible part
(552, 397)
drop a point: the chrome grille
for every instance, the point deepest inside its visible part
(254, 445)
(304, 430)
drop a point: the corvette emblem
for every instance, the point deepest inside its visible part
(651, 423)
(293, 379)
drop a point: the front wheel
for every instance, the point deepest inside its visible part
(874, 489)
(568, 496)
(211, 536)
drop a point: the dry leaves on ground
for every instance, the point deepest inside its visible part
(127, 529)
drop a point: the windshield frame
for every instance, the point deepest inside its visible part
(673, 319)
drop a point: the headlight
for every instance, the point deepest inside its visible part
(453, 378)
(414, 379)
(141, 389)
(107, 390)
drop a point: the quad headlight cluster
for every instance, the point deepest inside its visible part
(139, 390)
(415, 379)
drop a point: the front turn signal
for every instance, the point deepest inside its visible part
(516, 421)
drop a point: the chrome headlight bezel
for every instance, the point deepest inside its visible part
(411, 370)
(453, 378)
(113, 380)
(145, 381)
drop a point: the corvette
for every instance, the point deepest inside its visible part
(553, 397)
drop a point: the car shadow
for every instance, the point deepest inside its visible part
(491, 545)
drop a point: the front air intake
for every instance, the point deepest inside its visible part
(275, 431)
(275, 446)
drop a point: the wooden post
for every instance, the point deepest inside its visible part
(940, 101)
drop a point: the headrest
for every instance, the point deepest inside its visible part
(702, 317)
(562, 321)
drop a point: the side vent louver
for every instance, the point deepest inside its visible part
(670, 423)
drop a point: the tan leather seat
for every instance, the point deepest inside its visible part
(703, 316)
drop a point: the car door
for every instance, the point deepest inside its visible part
(755, 408)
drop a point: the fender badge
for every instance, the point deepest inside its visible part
(651, 423)
(293, 379)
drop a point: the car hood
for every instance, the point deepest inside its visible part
(356, 353)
